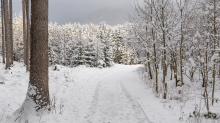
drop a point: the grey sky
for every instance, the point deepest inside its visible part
(65, 11)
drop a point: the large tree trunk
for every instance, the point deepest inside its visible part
(3, 32)
(11, 31)
(7, 34)
(39, 53)
(24, 31)
(28, 37)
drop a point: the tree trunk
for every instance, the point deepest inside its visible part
(206, 79)
(3, 32)
(206, 96)
(28, 37)
(219, 57)
(215, 32)
(24, 31)
(39, 54)
(149, 68)
(171, 70)
(7, 34)
(155, 65)
(11, 32)
(181, 44)
(175, 70)
(164, 51)
(206, 64)
(155, 53)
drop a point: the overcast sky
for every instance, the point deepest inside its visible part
(65, 11)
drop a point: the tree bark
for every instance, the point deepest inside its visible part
(148, 64)
(175, 70)
(7, 34)
(171, 71)
(3, 32)
(206, 78)
(11, 31)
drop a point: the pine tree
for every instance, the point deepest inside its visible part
(99, 60)
(71, 53)
(79, 57)
(90, 54)
(107, 51)
(117, 42)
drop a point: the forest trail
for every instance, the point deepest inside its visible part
(112, 103)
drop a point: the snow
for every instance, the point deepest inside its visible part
(215, 56)
(72, 93)
(192, 62)
(177, 107)
(93, 95)
(112, 103)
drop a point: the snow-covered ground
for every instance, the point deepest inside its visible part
(179, 107)
(93, 95)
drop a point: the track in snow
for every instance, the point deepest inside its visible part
(113, 104)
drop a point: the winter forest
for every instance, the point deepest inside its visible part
(162, 65)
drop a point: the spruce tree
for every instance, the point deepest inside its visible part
(79, 57)
(90, 54)
(99, 52)
(107, 51)
(117, 42)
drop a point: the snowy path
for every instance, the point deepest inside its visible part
(113, 104)
(78, 95)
